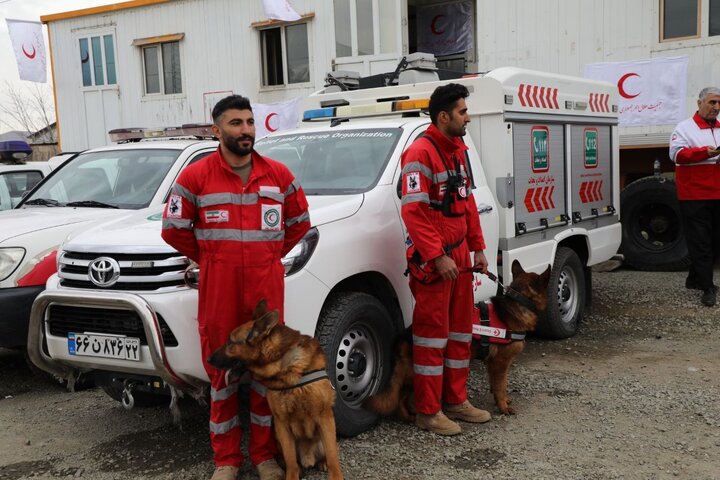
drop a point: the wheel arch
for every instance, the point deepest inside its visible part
(580, 245)
(379, 286)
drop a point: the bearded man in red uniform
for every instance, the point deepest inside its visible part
(237, 214)
(443, 226)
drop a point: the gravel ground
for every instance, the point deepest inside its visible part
(635, 395)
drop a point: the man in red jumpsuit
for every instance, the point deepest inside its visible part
(441, 217)
(237, 214)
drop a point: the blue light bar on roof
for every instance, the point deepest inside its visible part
(327, 112)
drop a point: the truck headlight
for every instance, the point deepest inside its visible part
(10, 258)
(300, 254)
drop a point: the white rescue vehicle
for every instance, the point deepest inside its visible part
(544, 170)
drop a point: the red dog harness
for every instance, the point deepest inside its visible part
(488, 328)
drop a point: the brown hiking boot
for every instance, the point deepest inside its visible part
(467, 413)
(437, 423)
(225, 472)
(270, 470)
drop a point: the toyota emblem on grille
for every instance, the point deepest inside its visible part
(104, 271)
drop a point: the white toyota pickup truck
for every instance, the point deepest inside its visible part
(119, 308)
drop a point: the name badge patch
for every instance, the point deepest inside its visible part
(271, 217)
(174, 208)
(489, 331)
(217, 216)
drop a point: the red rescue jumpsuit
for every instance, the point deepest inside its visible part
(238, 234)
(442, 319)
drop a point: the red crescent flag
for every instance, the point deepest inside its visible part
(446, 28)
(29, 46)
(650, 92)
(272, 117)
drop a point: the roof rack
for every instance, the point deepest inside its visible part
(188, 130)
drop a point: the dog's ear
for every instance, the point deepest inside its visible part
(260, 309)
(262, 326)
(516, 269)
(545, 277)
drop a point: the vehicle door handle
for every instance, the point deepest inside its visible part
(482, 208)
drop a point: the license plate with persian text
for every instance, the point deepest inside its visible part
(106, 346)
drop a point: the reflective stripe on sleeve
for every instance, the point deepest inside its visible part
(185, 223)
(224, 427)
(262, 420)
(428, 370)
(429, 342)
(415, 197)
(450, 363)
(223, 393)
(258, 388)
(239, 235)
(460, 337)
(185, 193)
(305, 217)
(293, 187)
(417, 167)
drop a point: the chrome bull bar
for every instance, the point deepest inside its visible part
(119, 300)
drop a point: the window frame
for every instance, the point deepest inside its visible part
(283, 52)
(698, 24)
(377, 48)
(161, 72)
(101, 34)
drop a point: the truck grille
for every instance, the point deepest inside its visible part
(63, 319)
(122, 271)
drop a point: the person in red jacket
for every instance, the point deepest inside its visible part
(694, 150)
(443, 226)
(236, 213)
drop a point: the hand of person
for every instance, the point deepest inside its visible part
(480, 262)
(713, 151)
(446, 267)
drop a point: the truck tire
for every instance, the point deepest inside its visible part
(356, 333)
(142, 399)
(653, 238)
(566, 297)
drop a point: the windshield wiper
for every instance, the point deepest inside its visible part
(90, 203)
(48, 202)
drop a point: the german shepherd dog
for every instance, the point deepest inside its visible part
(292, 366)
(518, 308)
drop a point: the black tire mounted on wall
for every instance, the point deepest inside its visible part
(653, 237)
(566, 296)
(356, 333)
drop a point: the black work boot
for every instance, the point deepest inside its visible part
(709, 297)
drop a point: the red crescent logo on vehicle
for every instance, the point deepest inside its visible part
(433, 26)
(621, 85)
(267, 122)
(29, 55)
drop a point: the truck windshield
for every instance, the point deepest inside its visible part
(123, 178)
(333, 162)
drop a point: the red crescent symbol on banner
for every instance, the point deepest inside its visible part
(267, 122)
(621, 85)
(433, 27)
(29, 55)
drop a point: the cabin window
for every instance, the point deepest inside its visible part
(714, 24)
(97, 60)
(161, 67)
(285, 55)
(679, 19)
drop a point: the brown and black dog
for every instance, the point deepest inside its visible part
(518, 309)
(292, 366)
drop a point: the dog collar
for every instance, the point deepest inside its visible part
(308, 377)
(521, 299)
